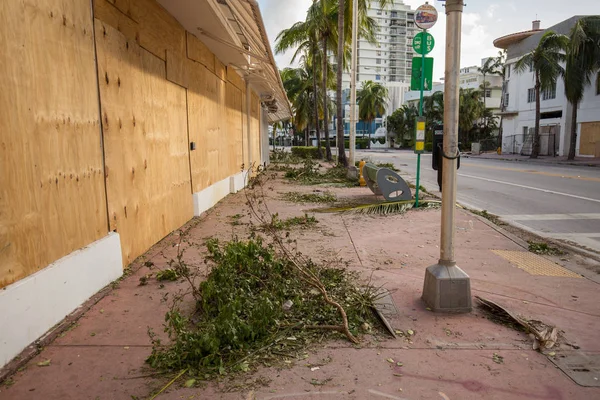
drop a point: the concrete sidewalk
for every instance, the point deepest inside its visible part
(449, 356)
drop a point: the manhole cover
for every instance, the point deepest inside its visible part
(583, 368)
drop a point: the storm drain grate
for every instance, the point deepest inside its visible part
(534, 264)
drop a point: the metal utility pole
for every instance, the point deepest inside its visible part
(447, 288)
(352, 145)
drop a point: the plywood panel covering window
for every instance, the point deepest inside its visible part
(52, 198)
(145, 134)
(589, 143)
(234, 102)
(255, 129)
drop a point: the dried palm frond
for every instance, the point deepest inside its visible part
(395, 207)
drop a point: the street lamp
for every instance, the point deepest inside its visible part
(447, 288)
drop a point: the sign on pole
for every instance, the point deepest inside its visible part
(420, 135)
(426, 16)
(415, 79)
(423, 43)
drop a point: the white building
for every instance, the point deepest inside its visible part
(555, 123)
(390, 60)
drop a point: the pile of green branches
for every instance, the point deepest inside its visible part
(255, 304)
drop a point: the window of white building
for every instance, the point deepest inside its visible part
(506, 99)
(488, 92)
(549, 93)
(530, 95)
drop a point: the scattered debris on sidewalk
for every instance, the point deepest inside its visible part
(388, 208)
(262, 302)
(544, 336)
(544, 248)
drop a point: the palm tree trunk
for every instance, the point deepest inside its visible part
(325, 113)
(342, 160)
(316, 101)
(535, 151)
(573, 132)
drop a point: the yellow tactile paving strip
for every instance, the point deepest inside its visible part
(534, 264)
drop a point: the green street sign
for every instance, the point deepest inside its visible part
(423, 43)
(415, 79)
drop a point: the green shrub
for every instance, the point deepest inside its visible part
(428, 146)
(305, 151)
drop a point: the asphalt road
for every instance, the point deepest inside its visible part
(553, 201)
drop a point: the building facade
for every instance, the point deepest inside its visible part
(121, 122)
(518, 106)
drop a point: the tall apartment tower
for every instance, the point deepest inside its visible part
(390, 60)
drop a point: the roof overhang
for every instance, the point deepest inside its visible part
(506, 41)
(234, 31)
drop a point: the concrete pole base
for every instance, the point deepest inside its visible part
(447, 289)
(352, 173)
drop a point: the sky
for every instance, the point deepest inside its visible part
(483, 21)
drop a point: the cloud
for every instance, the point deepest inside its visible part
(491, 11)
(279, 15)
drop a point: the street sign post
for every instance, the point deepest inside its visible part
(422, 76)
(417, 76)
(423, 43)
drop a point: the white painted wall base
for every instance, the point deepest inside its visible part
(33, 305)
(209, 197)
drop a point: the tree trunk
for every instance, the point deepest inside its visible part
(535, 150)
(274, 136)
(325, 111)
(316, 101)
(573, 132)
(342, 160)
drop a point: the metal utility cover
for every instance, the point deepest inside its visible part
(583, 368)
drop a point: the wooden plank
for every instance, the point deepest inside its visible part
(255, 129)
(146, 146)
(197, 51)
(234, 102)
(220, 70)
(178, 68)
(111, 15)
(235, 78)
(215, 157)
(159, 30)
(51, 186)
(590, 135)
(125, 6)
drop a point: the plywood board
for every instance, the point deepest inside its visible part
(159, 30)
(125, 6)
(234, 104)
(146, 146)
(178, 68)
(111, 15)
(590, 137)
(51, 177)
(215, 157)
(235, 79)
(197, 51)
(220, 70)
(255, 146)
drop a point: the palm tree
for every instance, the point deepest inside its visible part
(470, 110)
(372, 99)
(489, 67)
(366, 30)
(583, 60)
(296, 82)
(303, 36)
(544, 61)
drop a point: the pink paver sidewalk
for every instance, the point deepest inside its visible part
(454, 357)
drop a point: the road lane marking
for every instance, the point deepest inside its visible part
(531, 171)
(530, 187)
(552, 217)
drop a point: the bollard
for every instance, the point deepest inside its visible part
(361, 179)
